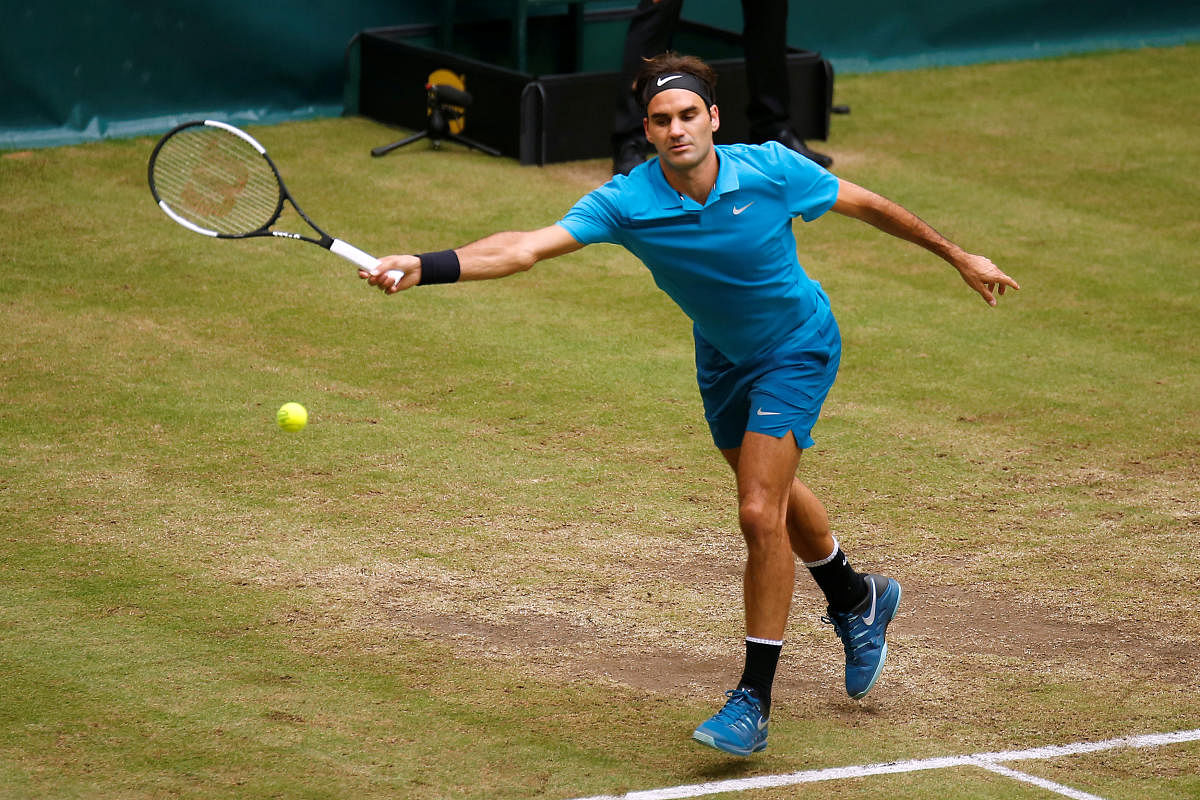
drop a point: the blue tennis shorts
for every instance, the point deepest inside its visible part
(780, 391)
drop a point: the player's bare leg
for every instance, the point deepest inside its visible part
(851, 596)
(765, 468)
(860, 606)
(808, 524)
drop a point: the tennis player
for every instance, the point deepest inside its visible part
(713, 224)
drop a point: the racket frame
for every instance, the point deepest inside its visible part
(337, 246)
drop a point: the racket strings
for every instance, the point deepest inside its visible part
(217, 181)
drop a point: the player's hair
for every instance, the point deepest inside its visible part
(673, 62)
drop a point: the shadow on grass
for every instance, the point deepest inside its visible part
(727, 768)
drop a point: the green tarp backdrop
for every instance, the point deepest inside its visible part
(85, 70)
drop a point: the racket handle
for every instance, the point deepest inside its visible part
(365, 260)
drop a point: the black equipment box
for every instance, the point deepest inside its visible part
(558, 117)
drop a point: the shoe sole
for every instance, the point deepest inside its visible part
(882, 653)
(705, 739)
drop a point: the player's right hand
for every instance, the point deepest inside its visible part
(382, 277)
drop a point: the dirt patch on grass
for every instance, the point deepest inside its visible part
(932, 616)
(1013, 629)
(580, 632)
(1087, 610)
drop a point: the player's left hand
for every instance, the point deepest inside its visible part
(984, 277)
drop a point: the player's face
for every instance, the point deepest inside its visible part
(681, 128)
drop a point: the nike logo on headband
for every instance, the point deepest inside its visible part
(678, 80)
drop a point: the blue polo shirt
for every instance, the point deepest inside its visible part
(730, 264)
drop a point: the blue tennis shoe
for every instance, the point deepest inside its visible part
(739, 728)
(862, 632)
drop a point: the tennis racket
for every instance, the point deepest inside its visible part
(217, 180)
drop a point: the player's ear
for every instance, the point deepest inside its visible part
(715, 114)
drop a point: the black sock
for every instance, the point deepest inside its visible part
(762, 656)
(843, 587)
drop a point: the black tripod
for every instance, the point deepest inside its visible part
(439, 98)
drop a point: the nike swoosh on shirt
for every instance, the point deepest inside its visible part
(737, 210)
(667, 79)
(870, 618)
(762, 413)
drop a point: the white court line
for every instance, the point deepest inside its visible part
(985, 760)
(1025, 777)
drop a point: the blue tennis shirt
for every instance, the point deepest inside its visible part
(730, 264)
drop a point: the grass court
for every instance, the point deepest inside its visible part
(502, 561)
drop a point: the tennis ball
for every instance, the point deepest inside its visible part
(291, 417)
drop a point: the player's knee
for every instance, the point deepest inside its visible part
(761, 520)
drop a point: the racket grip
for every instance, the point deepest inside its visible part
(365, 260)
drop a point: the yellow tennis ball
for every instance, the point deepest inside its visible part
(291, 417)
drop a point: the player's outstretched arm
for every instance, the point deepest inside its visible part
(495, 256)
(979, 272)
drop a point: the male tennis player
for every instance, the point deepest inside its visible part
(713, 224)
